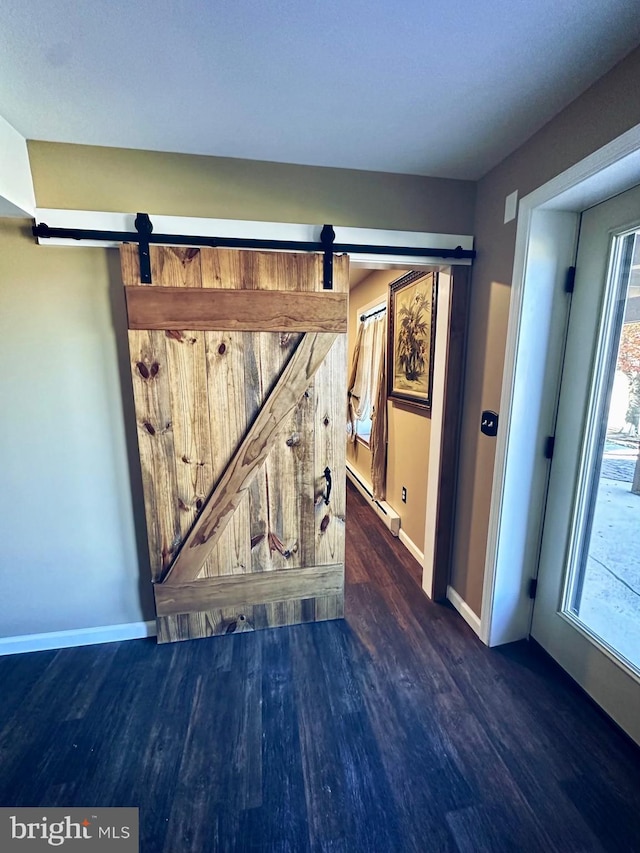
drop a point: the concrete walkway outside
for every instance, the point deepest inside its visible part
(611, 595)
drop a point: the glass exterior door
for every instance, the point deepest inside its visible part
(603, 588)
(587, 611)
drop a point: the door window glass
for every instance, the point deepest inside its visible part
(603, 589)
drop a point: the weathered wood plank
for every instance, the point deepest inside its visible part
(238, 590)
(129, 265)
(228, 425)
(226, 353)
(253, 270)
(257, 493)
(275, 533)
(268, 425)
(170, 414)
(340, 275)
(297, 452)
(256, 617)
(235, 310)
(190, 418)
(171, 266)
(186, 364)
(175, 266)
(329, 607)
(266, 354)
(152, 394)
(330, 449)
(286, 482)
(274, 489)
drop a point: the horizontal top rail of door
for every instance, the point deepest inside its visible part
(144, 236)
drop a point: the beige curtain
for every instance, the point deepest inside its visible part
(352, 403)
(378, 440)
(367, 394)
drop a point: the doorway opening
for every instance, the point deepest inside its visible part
(416, 495)
(401, 494)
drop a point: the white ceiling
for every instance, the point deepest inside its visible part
(434, 87)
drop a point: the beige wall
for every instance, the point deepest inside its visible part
(70, 558)
(409, 432)
(73, 539)
(91, 178)
(610, 107)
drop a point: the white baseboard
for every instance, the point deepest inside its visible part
(382, 509)
(464, 610)
(79, 637)
(411, 546)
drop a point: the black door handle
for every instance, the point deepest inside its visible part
(327, 476)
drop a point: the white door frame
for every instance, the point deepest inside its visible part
(545, 246)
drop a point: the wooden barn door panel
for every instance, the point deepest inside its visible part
(238, 417)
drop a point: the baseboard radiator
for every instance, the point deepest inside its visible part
(388, 515)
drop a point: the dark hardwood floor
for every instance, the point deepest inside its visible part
(393, 730)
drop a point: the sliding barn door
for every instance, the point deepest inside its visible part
(238, 361)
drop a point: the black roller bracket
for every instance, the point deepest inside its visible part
(144, 229)
(327, 238)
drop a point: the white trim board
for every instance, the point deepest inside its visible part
(411, 547)
(383, 510)
(541, 250)
(78, 637)
(16, 184)
(472, 620)
(198, 226)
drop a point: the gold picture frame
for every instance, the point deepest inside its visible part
(411, 337)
